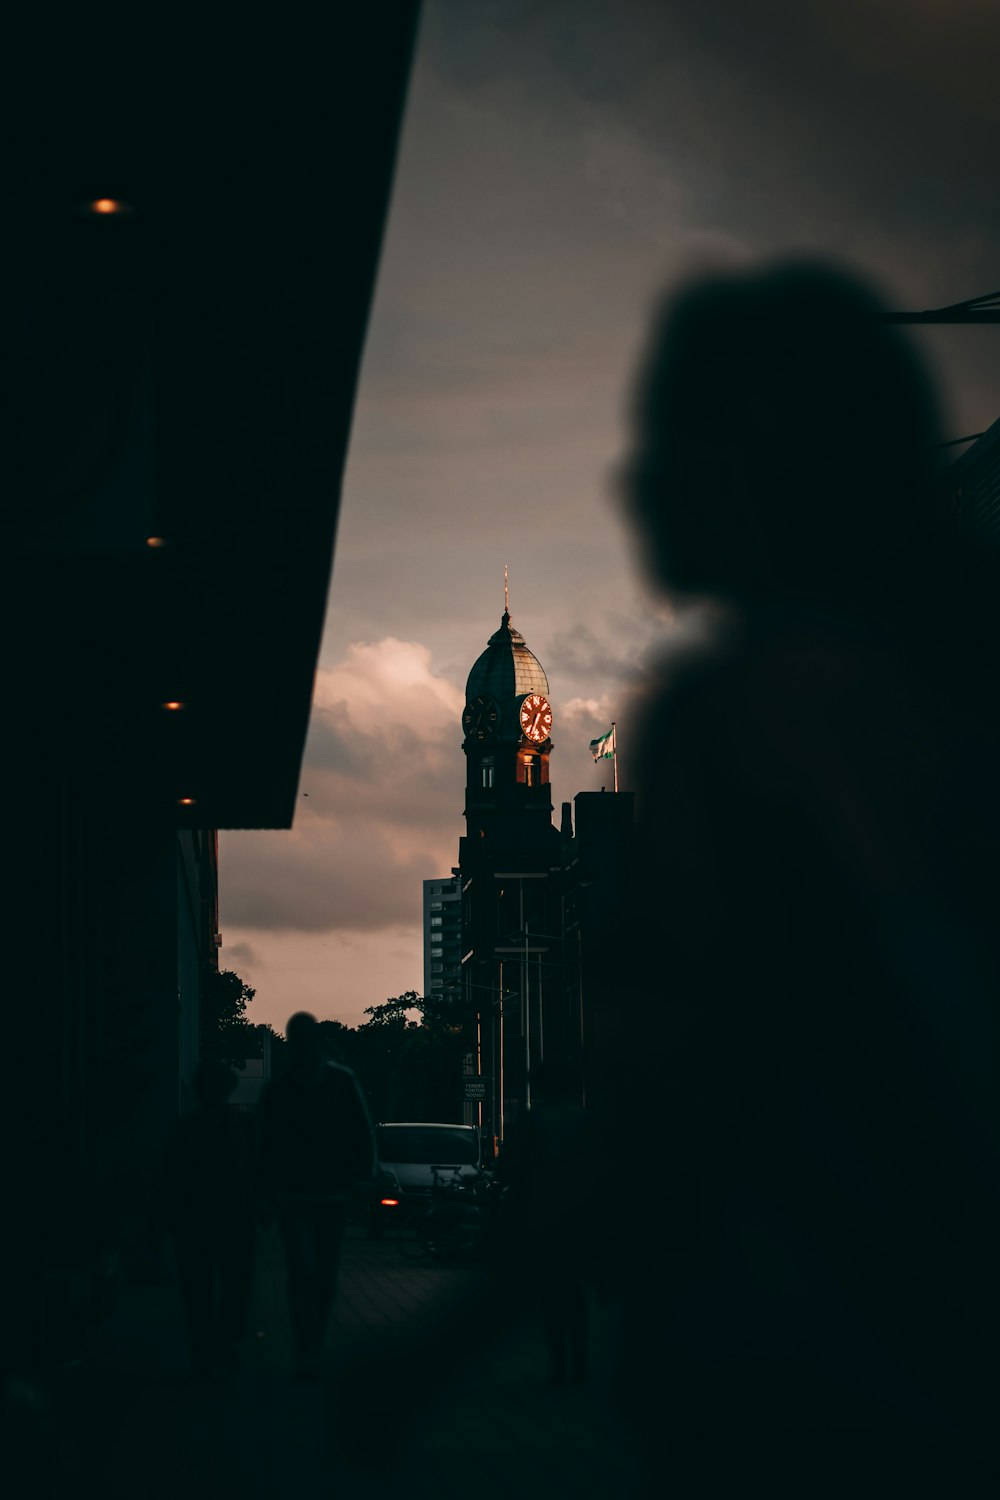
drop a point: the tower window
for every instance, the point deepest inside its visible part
(487, 771)
(530, 768)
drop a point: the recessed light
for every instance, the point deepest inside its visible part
(107, 206)
(186, 801)
(174, 706)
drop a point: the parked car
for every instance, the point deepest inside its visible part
(407, 1152)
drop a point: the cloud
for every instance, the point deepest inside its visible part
(239, 953)
(380, 805)
(390, 682)
(615, 656)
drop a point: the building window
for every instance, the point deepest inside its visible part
(528, 768)
(437, 953)
(436, 921)
(437, 968)
(487, 771)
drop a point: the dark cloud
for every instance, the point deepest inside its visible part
(600, 662)
(237, 953)
(345, 875)
(335, 746)
(773, 112)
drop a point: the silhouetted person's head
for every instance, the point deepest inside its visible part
(780, 429)
(304, 1038)
(213, 1082)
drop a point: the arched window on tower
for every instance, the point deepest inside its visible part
(486, 771)
(527, 768)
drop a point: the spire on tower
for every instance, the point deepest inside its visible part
(506, 593)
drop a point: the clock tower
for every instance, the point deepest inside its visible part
(519, 994)
(508, 741)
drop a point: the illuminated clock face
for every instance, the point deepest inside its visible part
(480, 719)
(536, 718)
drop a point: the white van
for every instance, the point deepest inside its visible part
(407, 1151)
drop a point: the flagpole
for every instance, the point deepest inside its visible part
(614, 751)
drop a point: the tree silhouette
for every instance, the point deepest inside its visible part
(411, 1068)
(224, 1030)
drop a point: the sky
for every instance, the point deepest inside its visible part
(562, 164)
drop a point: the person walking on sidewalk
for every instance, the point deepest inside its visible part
(316, 1144)
(205, 1208)
(547, 1162)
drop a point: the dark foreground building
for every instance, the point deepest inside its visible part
(189, 272)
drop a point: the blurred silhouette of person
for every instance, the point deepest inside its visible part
(207, 1210)
(548, 1162)
(316, 1144)
(797, 1086)
(812, 1022)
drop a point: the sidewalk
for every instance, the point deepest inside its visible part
(130, 1422)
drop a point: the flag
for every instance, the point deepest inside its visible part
(604, 748)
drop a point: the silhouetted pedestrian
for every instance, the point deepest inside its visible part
(811, 1026)
(316, 1145)
(207, 1211)
(547, 1173)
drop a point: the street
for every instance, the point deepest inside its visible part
(131, 1421)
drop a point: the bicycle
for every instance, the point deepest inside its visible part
(455, 1220)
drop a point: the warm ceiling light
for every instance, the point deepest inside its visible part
(107, 206)
(186, 801)
(173, 707)
(156, 541)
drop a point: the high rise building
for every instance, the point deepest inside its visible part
(442, 936)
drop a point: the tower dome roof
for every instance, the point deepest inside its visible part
(507, 669)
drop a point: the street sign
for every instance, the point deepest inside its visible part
(475, 1086)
